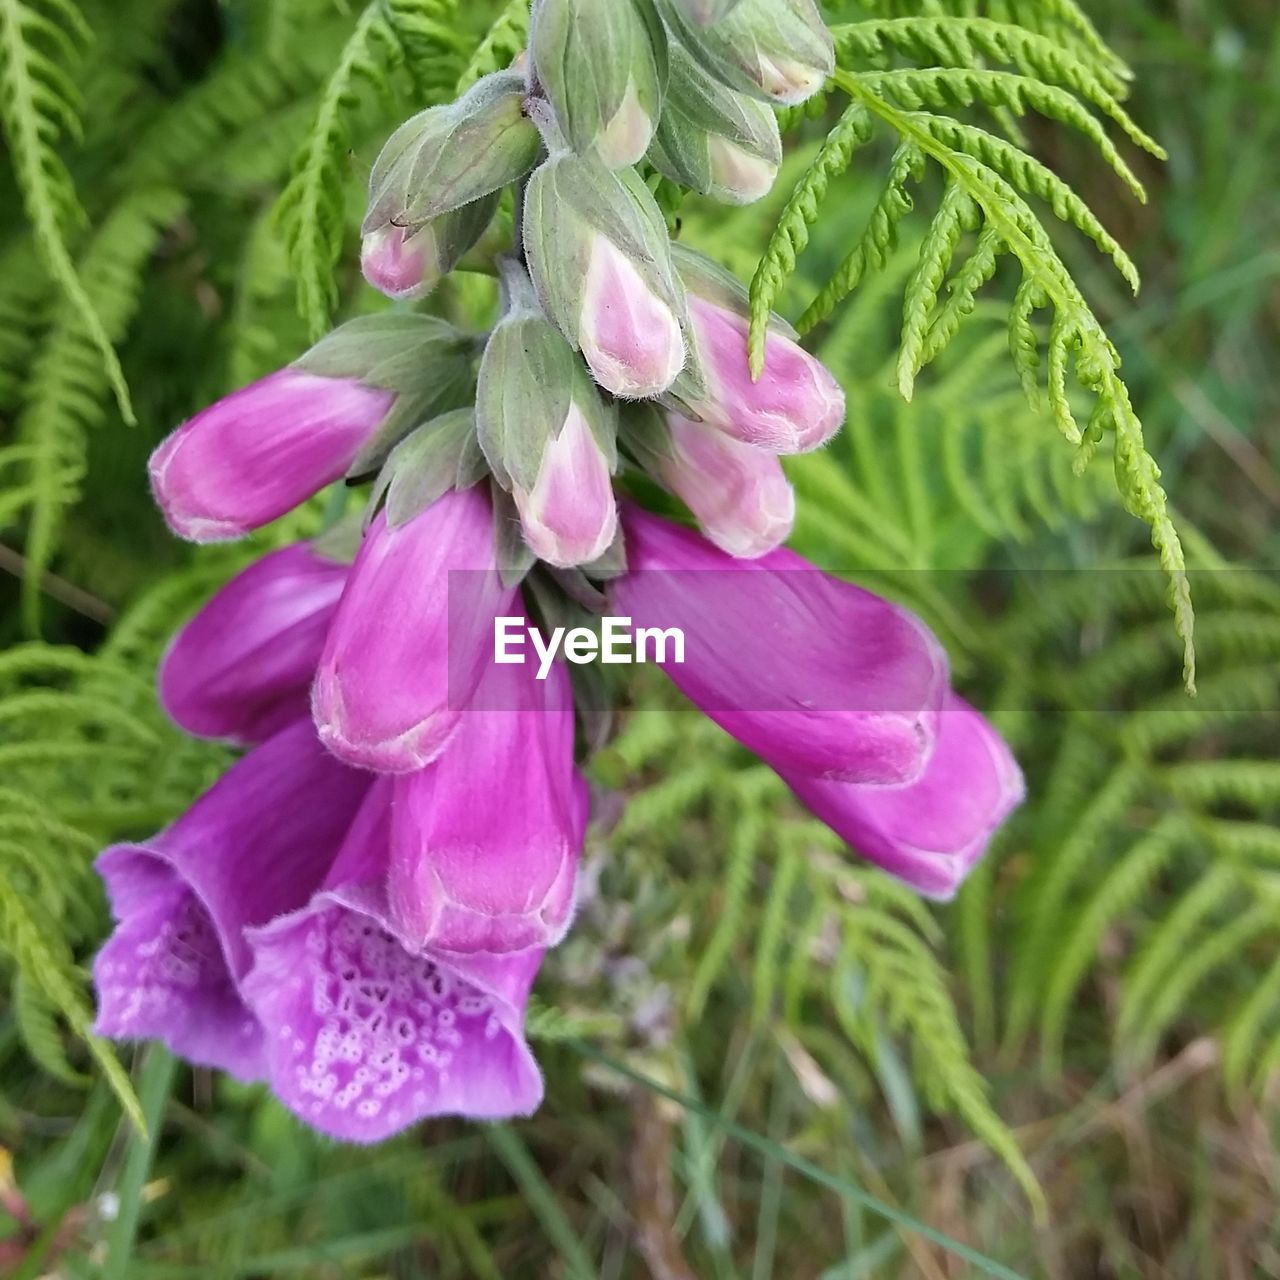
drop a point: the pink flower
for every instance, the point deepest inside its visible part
(250, 849)
(815, 675)
(485, 842)
(412, 635)
(569, 517)
(795, 406)
(629, 336)
(258, 453)
(365, 1035)
(739, 494)
(929, 834)
(242, 667)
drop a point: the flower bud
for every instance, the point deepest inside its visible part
(714, 139)
(739, 495)
(450, 156)
(408, 262)
(260, 451)
(779, 50)
(405, 652)
(600, 260)
(602, 67)
(548, 437)
(242, 667)
(796, 406)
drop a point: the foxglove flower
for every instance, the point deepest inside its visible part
(815, 675)
(258, 453)
(363, 1035)
(253, 847)
(600, 260)
(242, 667)
(742, 500)
(485, 842)
(931, 833)
(408, 645)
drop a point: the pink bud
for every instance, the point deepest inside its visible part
(258, 453)
(400, 263)
(412, 636)
(796, 405)
(789, 81)
(629, 336)
(739, 494)
(569, 516)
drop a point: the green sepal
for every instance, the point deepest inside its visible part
(449, 156)
(438, 456)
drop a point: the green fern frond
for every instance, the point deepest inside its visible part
(504, 40)
(38, 105)
(63, 396)
(791, 234)
(312, 209)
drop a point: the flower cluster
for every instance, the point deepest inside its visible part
(357, 911)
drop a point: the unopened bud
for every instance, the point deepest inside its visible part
(714, 139)
(739, 494)
(780, 50)
(601, 262)
(796, 405)
(450, 156)
(549, 438)
(408, 262)
(603, 68)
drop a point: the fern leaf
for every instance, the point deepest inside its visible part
(878, 240)
(63, 398)
(791, 234)
(1240, 1041)
(312, 209)
(955, 215)
(38, 103)
(503, 42)
(35, 1019)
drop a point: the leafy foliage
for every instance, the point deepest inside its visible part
(987, 183)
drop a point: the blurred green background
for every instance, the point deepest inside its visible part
(1095, 1022)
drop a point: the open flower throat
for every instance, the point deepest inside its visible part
(357, 911)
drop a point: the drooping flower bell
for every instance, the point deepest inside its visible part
(930, 833)
(600, 261)
(407, 647)
(795, 406)
(813, 674)
(258, 453)
(253, 847)
(362, 1035)
(242, 667)
(485, 842)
